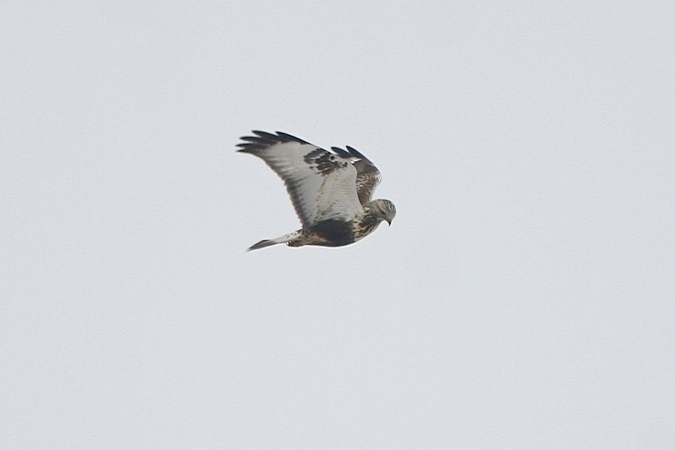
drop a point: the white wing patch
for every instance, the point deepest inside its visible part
(321, 185)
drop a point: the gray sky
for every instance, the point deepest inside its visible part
(522, 298)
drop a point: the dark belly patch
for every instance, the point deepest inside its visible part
(335, 232)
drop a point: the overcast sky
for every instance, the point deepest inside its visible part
(524, 296)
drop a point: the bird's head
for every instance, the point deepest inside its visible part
(384, 209)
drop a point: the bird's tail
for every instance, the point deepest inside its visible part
(285, 239)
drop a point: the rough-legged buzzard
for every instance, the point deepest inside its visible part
(331, 192)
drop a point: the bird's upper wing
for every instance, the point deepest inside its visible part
(367, 175)
(322, 185)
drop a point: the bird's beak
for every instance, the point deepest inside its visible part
(388, 221)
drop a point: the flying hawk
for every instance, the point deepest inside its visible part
(331, 192)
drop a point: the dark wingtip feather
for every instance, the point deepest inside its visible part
(248, 147)
(356, 153)
(263, 139)
(285, 137)
(351, 152)
(342, 153)
(264, 135)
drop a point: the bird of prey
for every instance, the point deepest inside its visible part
(331, 191)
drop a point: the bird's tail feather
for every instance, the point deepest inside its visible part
(286, 238)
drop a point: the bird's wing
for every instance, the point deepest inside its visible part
(322, 185)
(367, 175)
